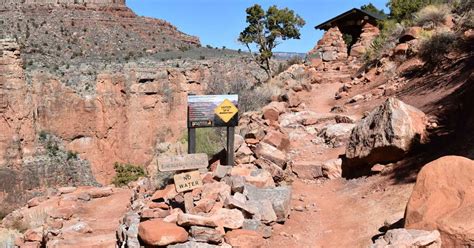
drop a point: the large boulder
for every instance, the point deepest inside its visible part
(386, 134)
(443, 199)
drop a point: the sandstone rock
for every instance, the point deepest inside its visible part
(244, 239)
(221, 171)
(215, 191)
(206, 234)
(264, 210)
(33, 235)
(273, 110)
(307, 169)
(66, 190)
(277, 139)
(231, 202)
(194, 244)
(256, 225)
(228, 218)
(238, 141)
(276, 172)
(401, 49)
(332, 169)
(443, 199)
(336, 135)
(410, 34)
(100, 192)
(408, 238)
(269, 152)
(165, 194)
(158, 232)
(280, 197)
(386, 134)
(31, 245)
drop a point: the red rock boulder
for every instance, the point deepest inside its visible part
(443, 199)
(159, 233)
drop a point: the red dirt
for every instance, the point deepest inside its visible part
(349, 213)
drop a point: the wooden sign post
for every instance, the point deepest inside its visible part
(213, 111)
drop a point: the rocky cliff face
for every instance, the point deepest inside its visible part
(107, 85)
(10, 3)
(125, 114)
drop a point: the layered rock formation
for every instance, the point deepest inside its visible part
(84, 2)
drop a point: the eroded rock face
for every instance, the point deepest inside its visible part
(443, 199)
(386, 134)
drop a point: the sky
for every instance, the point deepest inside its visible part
(219, 22)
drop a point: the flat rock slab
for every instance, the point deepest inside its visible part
(280, 197)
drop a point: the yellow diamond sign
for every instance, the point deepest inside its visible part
(226, 110)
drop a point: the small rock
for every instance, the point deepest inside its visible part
(206, 234)
(244, 238)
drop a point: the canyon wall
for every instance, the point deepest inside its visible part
(82, 2)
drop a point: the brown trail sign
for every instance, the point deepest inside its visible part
(183, 162)
(187, 181)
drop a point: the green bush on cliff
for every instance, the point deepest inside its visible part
(125, 173)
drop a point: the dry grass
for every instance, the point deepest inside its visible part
(7, 237)
(432, 14)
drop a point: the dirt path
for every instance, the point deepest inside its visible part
(340, 213)
(337, 213)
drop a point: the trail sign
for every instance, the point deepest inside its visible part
(187, 181)
(212, 111)
(226, 110)
(183, 162)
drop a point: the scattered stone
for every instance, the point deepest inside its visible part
(377, 168)
(244, 238)
(409, 238)
(332, 169)
(307, 169)
(158, 232)
(100, 192)
(66, 190)
(280, 197)
(206, 234)
(273, 110)
(271, 153)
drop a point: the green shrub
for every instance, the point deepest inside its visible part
(125, 173)
(404, 9)
(435, 14)
(433, 50)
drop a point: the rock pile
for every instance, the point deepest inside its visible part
(331, 47)
(236, 206)
(70, 217)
